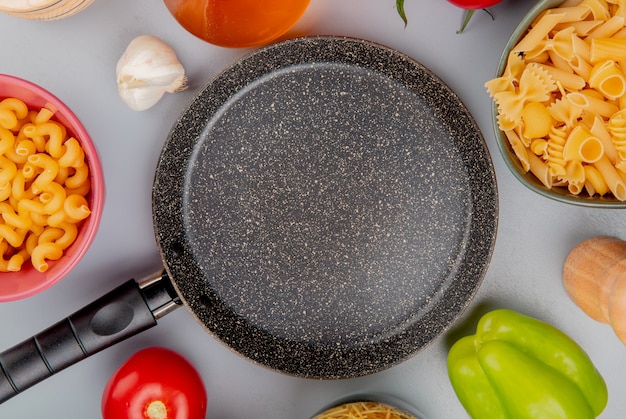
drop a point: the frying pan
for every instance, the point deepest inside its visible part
(326, 207)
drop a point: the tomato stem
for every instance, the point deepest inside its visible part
(156, 409)
(468, 15)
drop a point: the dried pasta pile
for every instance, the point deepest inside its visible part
(561, 98)
(44, 181)
(364, 410)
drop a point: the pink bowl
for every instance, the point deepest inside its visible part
(28, 281)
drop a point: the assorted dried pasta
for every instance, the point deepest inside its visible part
(44, 183)
(561, 98)
(364, 410)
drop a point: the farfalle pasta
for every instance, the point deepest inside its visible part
(534, 85)
(561, 98)
(44, 181)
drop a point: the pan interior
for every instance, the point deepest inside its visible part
(328, 211)
(319, 212)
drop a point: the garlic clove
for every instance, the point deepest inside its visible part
(140, 99)
(148, 69)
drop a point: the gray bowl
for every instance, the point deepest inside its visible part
(526, 178)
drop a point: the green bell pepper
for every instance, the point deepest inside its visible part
(518, 367)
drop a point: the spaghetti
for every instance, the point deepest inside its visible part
(364, 410)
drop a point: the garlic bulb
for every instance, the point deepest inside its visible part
(147, 69)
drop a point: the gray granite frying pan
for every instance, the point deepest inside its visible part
(326, 207)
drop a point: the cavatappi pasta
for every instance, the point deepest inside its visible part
(44, 181)
(561, 98)
(364, 410)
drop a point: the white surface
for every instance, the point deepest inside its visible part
(75, 59)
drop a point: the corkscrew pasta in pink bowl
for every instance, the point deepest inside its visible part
(559, 102)
(51, 189)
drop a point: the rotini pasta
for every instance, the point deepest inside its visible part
(561, 98)
(44, 182)
(554, 156)
(617, 128)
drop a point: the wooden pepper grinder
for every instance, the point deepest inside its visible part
(594, 276)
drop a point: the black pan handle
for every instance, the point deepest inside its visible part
(127, 310)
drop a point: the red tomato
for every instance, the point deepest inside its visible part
(155, 383)
(474, 4)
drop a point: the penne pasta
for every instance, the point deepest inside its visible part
(612, 178)
(519, 149)
(620, 34)
(595, 181)
(603, 49)
(598, 106)
(581, 27)
(599, 130)
(582, 49)
(571, 15)
(541, 171)
(608, 28)
(539, 31)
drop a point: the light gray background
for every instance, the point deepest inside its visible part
(75, 59)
